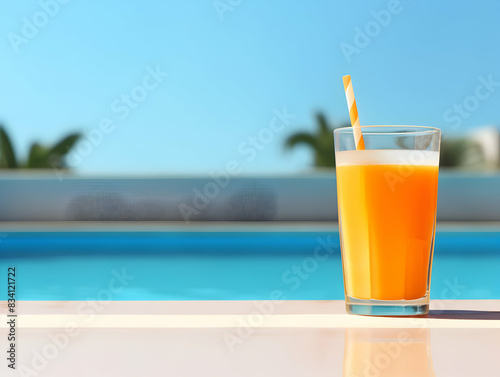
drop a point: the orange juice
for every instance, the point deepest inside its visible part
(387, 212)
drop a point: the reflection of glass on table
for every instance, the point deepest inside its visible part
(387, 353)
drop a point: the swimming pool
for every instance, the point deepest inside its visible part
(256, 263)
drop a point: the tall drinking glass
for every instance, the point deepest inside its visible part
(387, 197)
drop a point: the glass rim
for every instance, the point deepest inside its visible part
(407, 130)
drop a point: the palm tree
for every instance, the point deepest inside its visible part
(320, 142)
(39, 157)
(461, 152)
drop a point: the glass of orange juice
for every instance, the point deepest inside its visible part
(387, 197)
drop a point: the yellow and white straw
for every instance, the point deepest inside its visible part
(353, 113)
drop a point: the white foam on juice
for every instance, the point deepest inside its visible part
(387, 157)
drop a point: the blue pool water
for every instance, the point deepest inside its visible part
(221, 265)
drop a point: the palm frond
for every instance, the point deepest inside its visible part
(37, 157)
(64, 146)
(323, 123)
(301, 138)
(7, 155)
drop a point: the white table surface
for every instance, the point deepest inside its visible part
(250, 338)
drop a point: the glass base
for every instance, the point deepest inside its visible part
(387, 308)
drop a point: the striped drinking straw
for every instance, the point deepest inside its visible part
(353, 113)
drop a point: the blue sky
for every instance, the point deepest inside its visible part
(229, 71)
